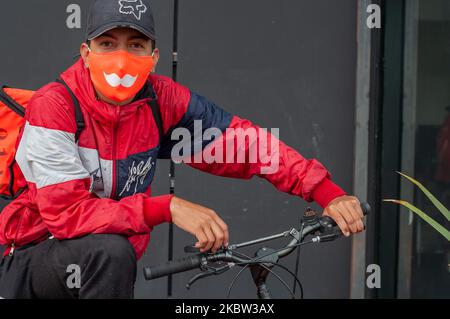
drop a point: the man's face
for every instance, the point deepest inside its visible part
(126, 39)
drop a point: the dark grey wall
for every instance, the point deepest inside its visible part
(281, 63)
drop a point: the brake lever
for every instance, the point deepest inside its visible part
(330, 236)
(198, 277)
(209, 272)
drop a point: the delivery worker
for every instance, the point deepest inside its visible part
(88, 201)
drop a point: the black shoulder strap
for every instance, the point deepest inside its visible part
(156, 113)
(9, 102)
(78, 114)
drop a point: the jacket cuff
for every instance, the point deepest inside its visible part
(157, 210)
(326, 192)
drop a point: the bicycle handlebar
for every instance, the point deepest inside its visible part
(325, 222)
(196, 261)
(173, 267)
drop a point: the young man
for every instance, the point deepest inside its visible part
(88, 202)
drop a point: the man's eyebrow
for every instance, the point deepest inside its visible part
(108, 35)
(139, 37)
(134, 37)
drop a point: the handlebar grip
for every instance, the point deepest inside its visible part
(172, 267)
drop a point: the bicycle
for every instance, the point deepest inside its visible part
(322, 229)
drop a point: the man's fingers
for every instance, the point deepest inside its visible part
(356, 216)
(221, 224)
(209, 229)
(359, 209)
(219, 236)
(359, 223)
(202, 239)
(224, 229)
(346, 214)
(211, 237)
(359, 215)
(361, 226)
(340, 221)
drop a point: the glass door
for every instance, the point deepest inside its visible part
(424, 255)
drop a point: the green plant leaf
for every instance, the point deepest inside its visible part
(430, 196)
(444, 232)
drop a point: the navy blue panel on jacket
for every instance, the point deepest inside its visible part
(199, 109)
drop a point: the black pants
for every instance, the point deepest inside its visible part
(95, 266)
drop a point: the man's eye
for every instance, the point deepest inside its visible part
(137, 46)
(106, 44)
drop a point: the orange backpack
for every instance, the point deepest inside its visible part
(13, 103)
(12, 111)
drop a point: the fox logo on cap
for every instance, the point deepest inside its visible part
(134, 7)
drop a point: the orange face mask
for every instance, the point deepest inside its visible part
(119, 75)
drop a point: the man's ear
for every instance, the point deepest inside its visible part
(155, 58)
(84, 52)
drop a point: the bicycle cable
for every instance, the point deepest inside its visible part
(297, 263)
(272, 263)
(234, 279)
(255, 261)
(238, 274)
(280, 279)
(271, 271)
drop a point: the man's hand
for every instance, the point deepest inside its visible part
(347, 213)
(210, 230)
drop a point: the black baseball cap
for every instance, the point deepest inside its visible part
(105, 15)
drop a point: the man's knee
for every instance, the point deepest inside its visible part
(110, 267)
(114, 248)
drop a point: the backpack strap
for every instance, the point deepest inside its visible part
(10, 103)
(78, 114)
(156, 113)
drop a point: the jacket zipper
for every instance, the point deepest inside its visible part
(13, 243)
(11, 250)
(114, 154)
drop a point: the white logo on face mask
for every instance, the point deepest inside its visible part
(134, 7)
(114, 80)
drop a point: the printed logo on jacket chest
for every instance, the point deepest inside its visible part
(135, 173)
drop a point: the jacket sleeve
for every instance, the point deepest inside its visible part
(48, 156)
(235, 147)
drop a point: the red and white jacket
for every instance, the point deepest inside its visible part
(101, 185)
